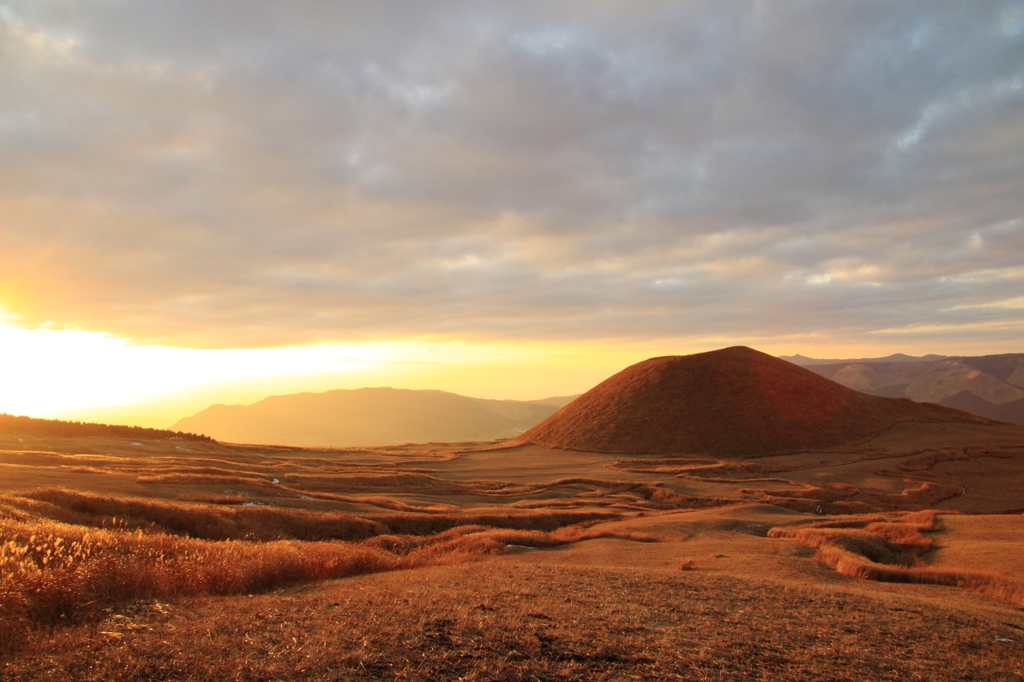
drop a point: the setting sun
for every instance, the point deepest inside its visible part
(74, 373)
(97, 370)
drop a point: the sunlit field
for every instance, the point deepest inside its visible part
(179, 556)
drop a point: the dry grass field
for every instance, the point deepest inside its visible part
(160, 558)
(510, 618)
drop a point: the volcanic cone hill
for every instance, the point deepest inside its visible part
(732, 402)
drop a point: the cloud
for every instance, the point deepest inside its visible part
(210, 174)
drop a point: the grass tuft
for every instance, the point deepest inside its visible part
(888, 550)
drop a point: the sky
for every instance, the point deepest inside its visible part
(509, 200)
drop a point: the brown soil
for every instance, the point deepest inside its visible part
(729, 402)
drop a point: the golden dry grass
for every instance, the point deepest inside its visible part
(889, 550)
(506, 619)
(52, 571)
(162, 531)
(205, 521)
(242, 522)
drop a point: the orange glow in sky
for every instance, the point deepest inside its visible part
(505, 200)
(71, 373)
(59, 371)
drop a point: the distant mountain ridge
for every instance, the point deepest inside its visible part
(805, 361)
(370, 416)
(990, 386)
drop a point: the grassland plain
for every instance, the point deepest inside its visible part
(164, 559)
(510, 618)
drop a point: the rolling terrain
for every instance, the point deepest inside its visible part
(369, 416)
(872, 538)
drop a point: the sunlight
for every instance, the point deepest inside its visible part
(51, 371)
(61, 372)
(55, 370)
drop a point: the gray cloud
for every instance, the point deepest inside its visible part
(245, 173)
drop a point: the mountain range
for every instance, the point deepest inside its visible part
(804, 361)
(369, 416)
(988, 385)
